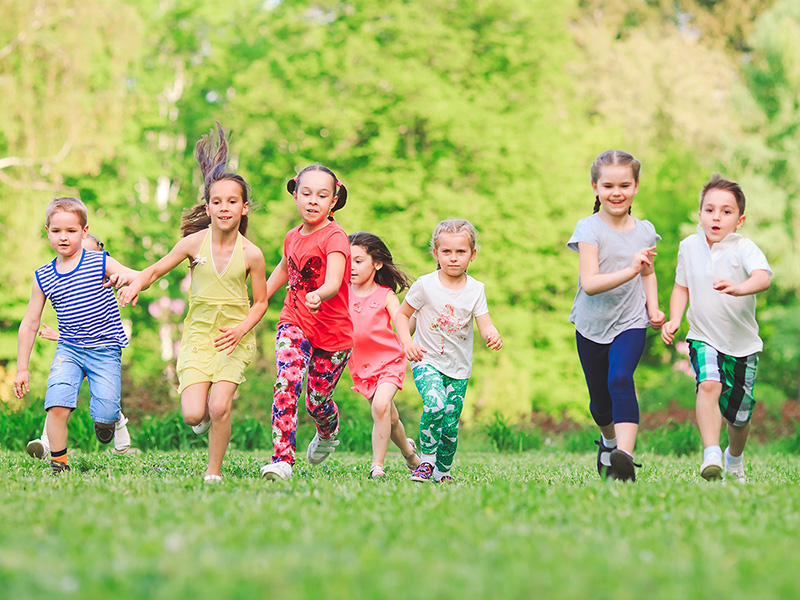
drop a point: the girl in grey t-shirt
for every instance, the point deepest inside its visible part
(617, 299)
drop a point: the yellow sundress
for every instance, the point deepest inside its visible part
(216, 300)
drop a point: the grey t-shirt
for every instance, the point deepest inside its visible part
(604, 316)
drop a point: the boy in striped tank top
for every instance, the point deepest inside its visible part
(91, 337)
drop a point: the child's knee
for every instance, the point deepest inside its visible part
(709, 387)
(219, 410)
(193, 415)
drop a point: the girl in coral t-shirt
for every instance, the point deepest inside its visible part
(378, 362)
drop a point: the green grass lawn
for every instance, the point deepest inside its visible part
(531, 525)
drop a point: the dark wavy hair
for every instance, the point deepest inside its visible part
(609, 158)
(718, 182)
(388, 275)
(213, 161)
(339, 190)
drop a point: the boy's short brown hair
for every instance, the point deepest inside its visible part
(717, 182)
(66, 204)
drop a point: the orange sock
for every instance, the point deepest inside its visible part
(60, 456)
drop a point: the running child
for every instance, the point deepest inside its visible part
(91, 337)
(617, 299)
(218, 341)
(718, 274)
(378, 362)
(315, 332)
(40, 447)
(445, 303)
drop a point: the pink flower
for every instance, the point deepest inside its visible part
(285, 423)
(285, 400)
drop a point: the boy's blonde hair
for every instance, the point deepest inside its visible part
(66, 204)
(455, 226)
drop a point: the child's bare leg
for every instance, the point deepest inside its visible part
(400, 439)
(626, 436)
(709, 419)
(44, 429)
(737, 438)
(381, 421)
(220, 400)
(56, 423)
(194, 403)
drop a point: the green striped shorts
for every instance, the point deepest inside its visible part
(737, 376)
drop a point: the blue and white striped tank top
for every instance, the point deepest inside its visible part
(88, 315)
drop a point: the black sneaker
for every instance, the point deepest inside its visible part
(623, 465)
(58, 467)
(103, 434)
(604, 470)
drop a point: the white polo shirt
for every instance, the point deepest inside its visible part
(723, 321)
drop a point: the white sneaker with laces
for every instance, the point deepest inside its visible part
(320, 448)
(735, 472)
(38, 448)
(711, 469)
(202, 428)
(277, 471)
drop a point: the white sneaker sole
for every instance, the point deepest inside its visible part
(37, 449)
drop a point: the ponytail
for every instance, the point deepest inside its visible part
(339, 190)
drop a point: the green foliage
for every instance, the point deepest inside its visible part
(507, 438)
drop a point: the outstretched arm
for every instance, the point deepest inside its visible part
(677, 305)
(593, 282)
(118, 274)
(185, 248)
(489, 332)
(401, 323)
(757, 282)
(26, 338)
(334, 275)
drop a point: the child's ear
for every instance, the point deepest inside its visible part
(740, 222)
(378, 266)
(245, 208)
(474, 253)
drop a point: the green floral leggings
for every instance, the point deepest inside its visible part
(442, 401)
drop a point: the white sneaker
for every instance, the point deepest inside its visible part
(320, 448)
(203, 427)
(277, 471)
(711, 469)
(38, 448)
(735, 472)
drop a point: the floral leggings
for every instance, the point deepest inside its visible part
(295, 357)
(442, 402)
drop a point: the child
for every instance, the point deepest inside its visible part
(40, 447)
(218, 342)
(445, 302)
(719, 272)
(91, 334)
(315, 332)
(378, 362)
(617, 299)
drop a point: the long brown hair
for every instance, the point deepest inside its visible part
(388, 275)
(213, 161)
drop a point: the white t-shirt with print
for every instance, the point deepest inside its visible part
(444, 322)
(726, 322)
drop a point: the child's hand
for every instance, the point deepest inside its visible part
(668, 331)
(48, 333)
(117, 280)
(493, 340)
(313, 302)
(21, 384)
(229, 339)
(657, 319)
(724, 286)
(643, 258)
(414, 351)
(129, 295)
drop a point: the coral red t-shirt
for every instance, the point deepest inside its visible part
(330, 328)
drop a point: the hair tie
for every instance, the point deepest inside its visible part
(338, 183)
(295, 178)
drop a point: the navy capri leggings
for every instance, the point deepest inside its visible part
(609, 375)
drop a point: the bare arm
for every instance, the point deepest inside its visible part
(757, 282)
(677, 305)
(334, 275)
(401, 323)
(26, 337)
(258, 280)
(489, 332)
(650, 285)
(118, 274)
(278, 278)
(593, 282)
(185, 248)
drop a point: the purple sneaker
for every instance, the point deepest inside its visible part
(423, 473)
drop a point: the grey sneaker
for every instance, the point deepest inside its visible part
(623, 465)
(202, 428)
(103, 434)
(279, 471)
(320, 448)
(735, 472)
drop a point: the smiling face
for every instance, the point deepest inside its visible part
(314, 199)
(453, 253)
(65, 233)
(719, 215)
(616, 187)
(225, 205)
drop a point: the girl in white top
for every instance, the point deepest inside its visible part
(445, 303)
(617, 299)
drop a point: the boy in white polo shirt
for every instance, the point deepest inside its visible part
(720, 271)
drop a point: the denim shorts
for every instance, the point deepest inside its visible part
(100, 366)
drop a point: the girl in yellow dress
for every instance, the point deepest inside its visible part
(218, 340)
